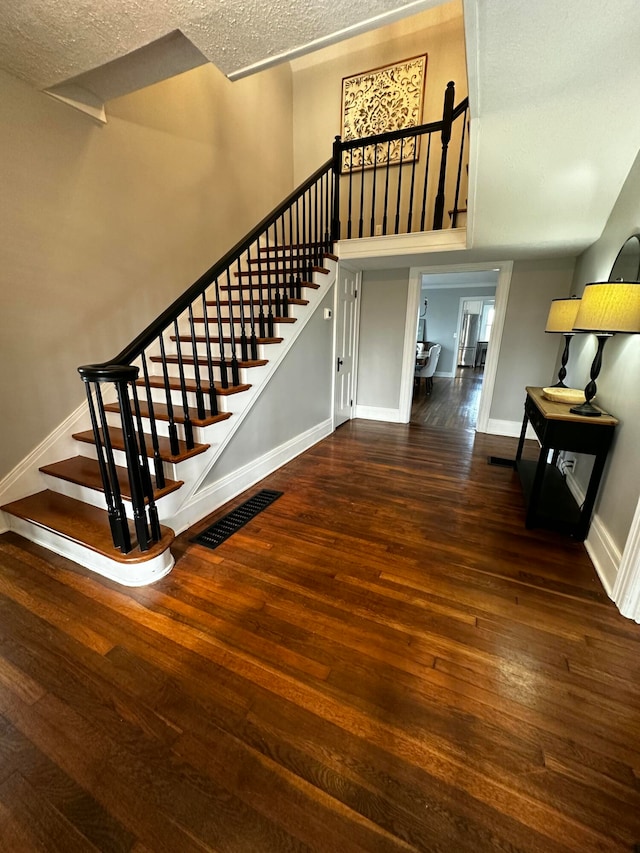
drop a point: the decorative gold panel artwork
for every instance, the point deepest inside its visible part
(383, 99)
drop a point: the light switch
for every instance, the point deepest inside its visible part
(328, 313)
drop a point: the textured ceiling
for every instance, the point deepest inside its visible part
(49, 42)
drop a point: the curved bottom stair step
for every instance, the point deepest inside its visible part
(84, 525)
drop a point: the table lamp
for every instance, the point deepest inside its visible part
(562, 315)
(606, 309)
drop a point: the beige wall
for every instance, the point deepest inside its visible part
(102, 226)
(383, 312)
(618, 386)
(317, 79)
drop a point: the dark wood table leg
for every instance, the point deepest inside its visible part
(536, 488)
(523, 432)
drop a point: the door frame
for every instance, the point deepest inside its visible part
(504, 270)
(352, 268)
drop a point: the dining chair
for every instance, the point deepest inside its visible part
(426, 372)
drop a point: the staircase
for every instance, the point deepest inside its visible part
(68, 516)
(161, 412)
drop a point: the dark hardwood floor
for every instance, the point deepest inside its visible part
(452, 404)
(385, 659)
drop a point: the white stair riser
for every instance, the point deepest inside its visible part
(201, 348)
(202, 435)
(225, 403)
(167, 505)
(246, 373)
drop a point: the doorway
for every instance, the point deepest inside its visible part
(450, 288)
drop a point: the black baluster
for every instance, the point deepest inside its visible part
(292, 278)
(423, 215)
(445, 136)
(213, 399)
(316, 237)
(270, 327)
(157, 461)
(154, 522)
(115, 508)
(173, 431)
(131, 451)
(350, 193)
(386, 189)
(373, 191)
(244, 343)
(399, 195)
(278, 300)
(194, 348)
(308, 269)
(261, 317)
(224, 376)
(188, 428)
(454, 220)
(337, 170)
(253, 343)
(235, 371)
(298, 252)
(282, 273)
(414, 161)
(361, 219)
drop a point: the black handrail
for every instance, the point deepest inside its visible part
(403, 132)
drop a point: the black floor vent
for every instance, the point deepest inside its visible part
(225, 527)
(500, 460)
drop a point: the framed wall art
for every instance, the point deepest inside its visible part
(383, 99)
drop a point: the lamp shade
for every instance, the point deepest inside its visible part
(562, 315)
(609, 307)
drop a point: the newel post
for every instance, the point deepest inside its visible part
(447, 114)
(337, 169)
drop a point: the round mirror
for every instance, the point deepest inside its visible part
(626, 266)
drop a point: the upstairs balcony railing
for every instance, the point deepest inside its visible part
(400, 181)
(385, 184)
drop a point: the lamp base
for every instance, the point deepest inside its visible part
(559, 384)
(586, 410)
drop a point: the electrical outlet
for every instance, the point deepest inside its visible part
(378, 230)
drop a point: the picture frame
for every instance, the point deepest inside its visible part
(390, 97)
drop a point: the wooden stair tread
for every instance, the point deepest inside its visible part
(189, 359)
(84, 524)
(84, 471)
(117, 442)
(190, 385)
(214, 339)
(279, 270)
(285, 247)
(236, 320)
(161, 412)
(236, 302)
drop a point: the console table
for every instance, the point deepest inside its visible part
(549, 500)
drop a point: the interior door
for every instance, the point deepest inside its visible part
(345, 349)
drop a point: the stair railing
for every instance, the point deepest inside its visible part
(241, 297)
(388, 184)
(215, 327)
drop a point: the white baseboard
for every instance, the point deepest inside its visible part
(510, 428)
(25, 479)
(601, 548)
(209, 499)
(375, 413)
